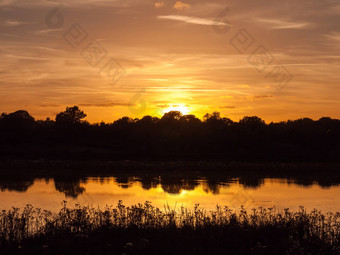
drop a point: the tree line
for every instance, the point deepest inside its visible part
(173, 136)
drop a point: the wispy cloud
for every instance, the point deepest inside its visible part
(49, 105)
(335, 36)
(194, 20)
(13, 23)
(282, 24)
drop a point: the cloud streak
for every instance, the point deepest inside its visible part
(282, 24)
(194, 20)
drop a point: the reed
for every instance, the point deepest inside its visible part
(145, 229)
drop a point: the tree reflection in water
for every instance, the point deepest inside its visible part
(72, 187)
(19, 185)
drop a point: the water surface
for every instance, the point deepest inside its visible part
(282, 193)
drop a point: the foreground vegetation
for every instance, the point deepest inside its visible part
(144, 229)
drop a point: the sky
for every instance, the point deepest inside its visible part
(278, 60)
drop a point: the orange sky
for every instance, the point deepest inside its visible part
(195, 55)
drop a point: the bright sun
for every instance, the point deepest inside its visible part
(180, 107)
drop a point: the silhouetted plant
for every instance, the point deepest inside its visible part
(265, 230)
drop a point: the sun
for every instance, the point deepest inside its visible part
(178, 107)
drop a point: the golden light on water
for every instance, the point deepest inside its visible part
(273, 192)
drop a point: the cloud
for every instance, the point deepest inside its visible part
(253, 97)
(49, 105)
(334, 36)
(228, 107)
(105, 104)
(282, 24)
(13, 23)
(5, 2)
(162, 106)
(245, 86)
(158, 4)
(194, 20)
(181, 6)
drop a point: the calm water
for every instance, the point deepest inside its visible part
(175, 192)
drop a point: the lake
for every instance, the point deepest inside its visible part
(173, 191)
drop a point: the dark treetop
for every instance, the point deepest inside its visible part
(173, 136)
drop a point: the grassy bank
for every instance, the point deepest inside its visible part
(144, 229)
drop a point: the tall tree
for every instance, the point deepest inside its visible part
(72, 115)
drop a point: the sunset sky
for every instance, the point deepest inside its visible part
(275, 59)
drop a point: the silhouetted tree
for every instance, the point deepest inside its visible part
(20, 117)
(173, 135)
(252, 122)
(189, 119)
(125, 121)
(17, 127)
(148, 120)
(212, 116)
(72, 115)
(172, 115)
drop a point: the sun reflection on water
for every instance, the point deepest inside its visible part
(109, 190)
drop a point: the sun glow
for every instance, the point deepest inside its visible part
(180, 107)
